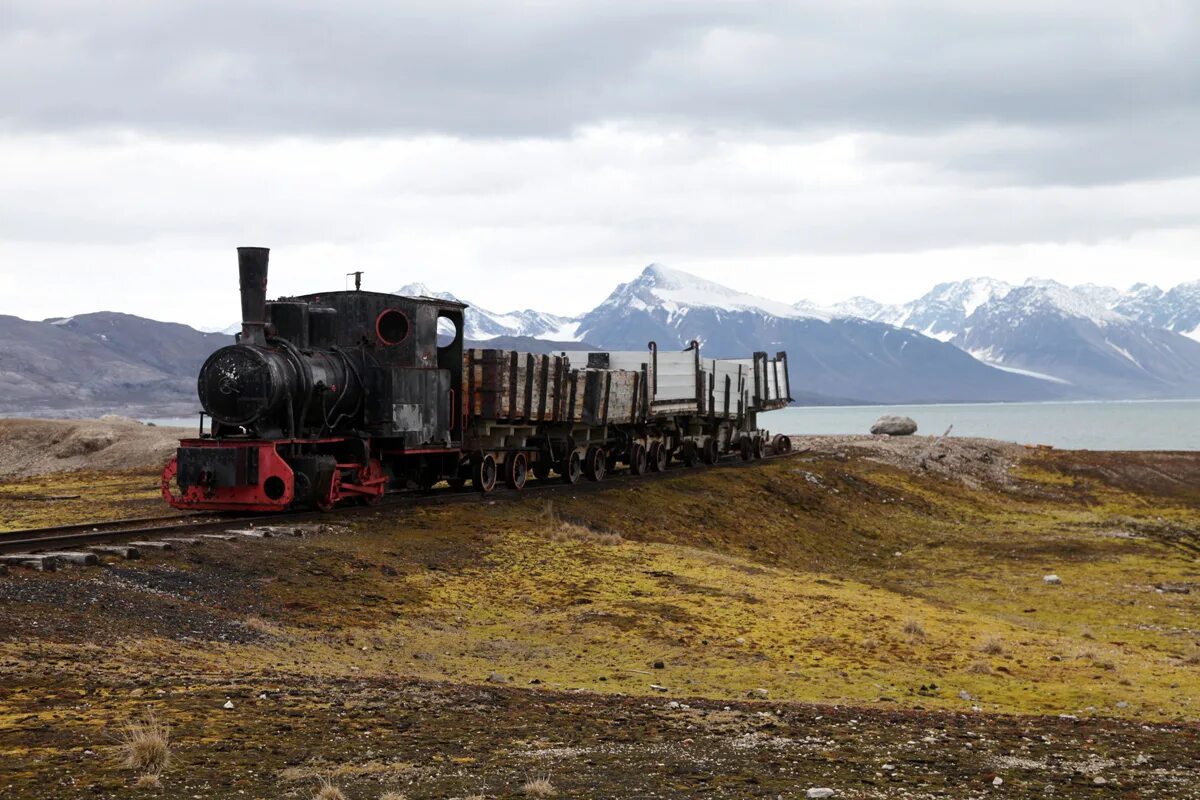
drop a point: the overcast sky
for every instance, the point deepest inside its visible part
(535, 154)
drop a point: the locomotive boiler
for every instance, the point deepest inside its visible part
(341, 396)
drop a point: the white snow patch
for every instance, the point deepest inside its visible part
(568, 332)
(1193, 334)
(994, 360)
(680, 289)
(941, 336)
(1123, 352)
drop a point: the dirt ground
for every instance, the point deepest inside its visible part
(40, 446)
(863, 616)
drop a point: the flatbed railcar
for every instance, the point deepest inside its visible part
(342, 396)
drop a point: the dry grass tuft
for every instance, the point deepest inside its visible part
(980, 668)
(539, 786)
(559, 530)
(148, 781)
(146, 746)
(393, 796)
(327, 791)
(993, 646)
(570, 532)
(822, 641)
(914, 628)
(1192, 658)
(260, 625)
(1086, 633)
(870, 644)
(1098, 661)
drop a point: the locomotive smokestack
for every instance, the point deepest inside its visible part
(252, 270)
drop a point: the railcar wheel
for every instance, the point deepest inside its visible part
(710, 453)
(484, 474)
(657, 457)
(638, 462)
(745, 448)
(758, 447)
(595, 463)
(516, 470)
(691, 454)
(572, 468)
(781, 444)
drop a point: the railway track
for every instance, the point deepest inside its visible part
(41, 540)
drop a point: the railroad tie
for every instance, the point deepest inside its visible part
(252, 533)
(184, 540)
(39, 561)
(156, 545)
(219, 537)
(79, 559)
(278, 530)
(119, 550)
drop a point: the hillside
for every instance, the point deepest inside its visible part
(870, 616)
(93, 363)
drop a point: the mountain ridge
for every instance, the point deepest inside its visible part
(967, 341)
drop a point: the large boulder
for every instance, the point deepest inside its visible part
(894, 426)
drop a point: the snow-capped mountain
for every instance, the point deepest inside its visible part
(940, 314)
(1096, 340)
(482, 325)
(670, 296)
(978, 339)
(829, 356)
(1176, 310)
(1073, 337)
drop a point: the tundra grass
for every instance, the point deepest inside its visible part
(807, 582)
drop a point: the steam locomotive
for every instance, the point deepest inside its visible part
(342, 396)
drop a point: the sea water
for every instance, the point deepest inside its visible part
(1101, 425)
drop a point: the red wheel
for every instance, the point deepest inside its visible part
(483, 473)
(516, 470)
(657, 457)
(572, 468)
(372, 477)
(595, 463)
(638, 462)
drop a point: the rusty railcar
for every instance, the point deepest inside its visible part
(340, 396)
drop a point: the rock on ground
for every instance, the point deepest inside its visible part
(894, 426)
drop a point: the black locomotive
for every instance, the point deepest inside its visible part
(341, 396)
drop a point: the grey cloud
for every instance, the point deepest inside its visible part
(1110, 74)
